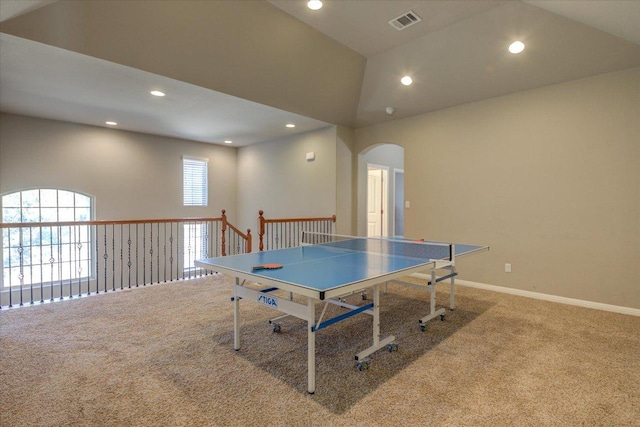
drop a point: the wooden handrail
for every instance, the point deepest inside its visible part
(277, 220)
(247, 237)
(105, 222)
(262, 221)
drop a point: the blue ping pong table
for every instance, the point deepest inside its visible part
(328, 267)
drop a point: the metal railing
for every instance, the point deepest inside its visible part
(277, 233)
(45, 262)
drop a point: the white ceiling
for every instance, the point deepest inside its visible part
(618, 17)
(46, 81)
(469, 61)
(363, 26)
(12, 8)
(456, 55)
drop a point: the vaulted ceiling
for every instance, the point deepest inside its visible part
(240, 70)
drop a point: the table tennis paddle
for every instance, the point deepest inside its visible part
(266, 267)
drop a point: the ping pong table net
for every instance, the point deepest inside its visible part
(390, 246)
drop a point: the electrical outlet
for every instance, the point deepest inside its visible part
(507, 268)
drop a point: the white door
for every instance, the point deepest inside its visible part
(376, 201)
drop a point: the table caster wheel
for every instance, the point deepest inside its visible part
(276, 328)
(442, 317)
(363, 366)
(423, 327)
(392, 347)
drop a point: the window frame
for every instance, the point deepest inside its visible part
(57, 239)
(189, 183)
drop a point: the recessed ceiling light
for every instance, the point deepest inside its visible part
(290, 125)
(314, 4)
(112, 123)
(157, 93)
(516, 47)
(406, 80)
(228, 142)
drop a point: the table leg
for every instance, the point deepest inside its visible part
(236, 316)
(377, 342)
(433, 292)
(433, 313)
(311, 344)
(376, 315)
(452, 298)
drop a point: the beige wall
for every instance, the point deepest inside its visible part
(345, 143)
(134, 176)
(131, 175)
(549, 178)
(276, 177)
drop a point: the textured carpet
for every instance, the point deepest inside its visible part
(163, 356)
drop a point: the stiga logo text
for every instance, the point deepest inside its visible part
(267, 300)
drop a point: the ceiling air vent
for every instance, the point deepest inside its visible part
(405, 20)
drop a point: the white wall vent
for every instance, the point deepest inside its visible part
(405, 20)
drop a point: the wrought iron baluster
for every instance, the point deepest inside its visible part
(137, 258)
(71, 244)
(164, 249)
(113, 257)
(8, 231)
(150, 255)
(52, 260)
(31, 264)
(269, 236)
(129, 254)
(79, 258)
(121, 258)
(171, 251)
(41, 264)
(144, 254)
(97, 260)
(21, 268)
(158, 253)
(206, 244)
(288, 235)
(188, 266)
(74, 248)
(274, 235)
(105, 256)
(59, 245)
(216, 252)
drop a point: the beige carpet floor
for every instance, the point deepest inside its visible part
(163, 356)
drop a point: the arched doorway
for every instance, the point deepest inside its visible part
(381, 190)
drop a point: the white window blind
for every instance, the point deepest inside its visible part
(194, 179)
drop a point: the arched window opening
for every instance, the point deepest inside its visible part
(50, 251)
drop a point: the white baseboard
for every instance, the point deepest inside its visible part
(553, 298)
(545, 297)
